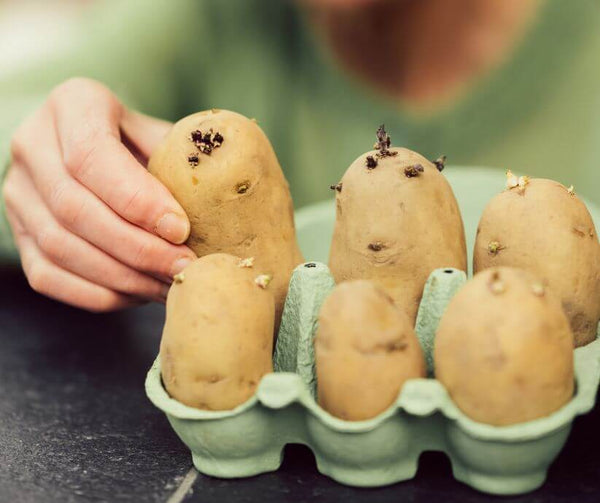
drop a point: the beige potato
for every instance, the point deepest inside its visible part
(544, 228)
(504, 349)
(221, 168)
(395, 224)
(365, 349)
(218, 336)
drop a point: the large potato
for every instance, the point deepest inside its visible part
(396, 222)
(546, 229)
(504, 349)
(218, 336)
(365, 349)
(222, 169)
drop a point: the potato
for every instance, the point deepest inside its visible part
(218, 336)
(397, 220)
(504, 348)
(544, 228)
(221, 168)
(365, 349)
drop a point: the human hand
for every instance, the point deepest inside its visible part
(94, 229)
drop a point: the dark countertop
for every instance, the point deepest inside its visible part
(75, 424)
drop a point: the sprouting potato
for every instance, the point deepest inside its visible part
(221, 168)
(217, 341)
(543, 227)
(504, 348)
(365, 349)
(397, 220)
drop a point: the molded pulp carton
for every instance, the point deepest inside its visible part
(250, 439)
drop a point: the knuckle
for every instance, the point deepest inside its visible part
(58, 193)
(146, 256)
(78, 89)
(86, 144)
(8, 190)
(71, 84)
(136, 206)
(24, 136)
(77, 86)
(130, 284)
(65, 204)
(101, 306)
(66, 89)
(135, 284)
(60, 197)
(80, 156)
(17, 144)
(51, 241)
(106, 302)
(39, 278)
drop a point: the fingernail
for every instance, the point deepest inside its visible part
(173, 227)
(179, 265)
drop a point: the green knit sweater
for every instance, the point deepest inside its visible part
(539, 113)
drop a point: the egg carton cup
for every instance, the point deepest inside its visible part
(250, 439)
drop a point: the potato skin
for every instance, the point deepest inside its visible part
(548, 231)
(236, 198)
(217, 342)
(365, 349)
(505, 356)
(396, 230)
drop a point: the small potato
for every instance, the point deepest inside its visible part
(218, 336)
(221, 168)
(397, 220)
(543, 227)
(504, 348)
(365, 349)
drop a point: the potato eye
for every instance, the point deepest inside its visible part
(242, 188)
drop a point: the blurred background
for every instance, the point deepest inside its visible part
(511, 84)
(321, 75)
(31, 30)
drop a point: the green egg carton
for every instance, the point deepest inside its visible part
(250, 439)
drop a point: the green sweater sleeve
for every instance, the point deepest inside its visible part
(135, 47)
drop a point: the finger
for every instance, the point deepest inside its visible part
(69, 251)
(15, 225)
(87, 125)
(81, 212)
(144, 132)
(47, 279)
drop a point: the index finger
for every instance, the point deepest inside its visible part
(87, 125)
